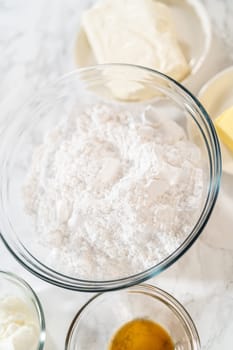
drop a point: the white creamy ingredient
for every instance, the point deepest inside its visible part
(135, 31)
(113, 192)
(18, 326)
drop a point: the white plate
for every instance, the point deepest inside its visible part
(217, 96)
(193, 30)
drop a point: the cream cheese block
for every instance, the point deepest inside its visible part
(139, 32)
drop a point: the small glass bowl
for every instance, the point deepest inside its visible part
(12, 285)
(127, 86)
(99, 319)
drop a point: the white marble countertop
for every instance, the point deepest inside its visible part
(36, 45)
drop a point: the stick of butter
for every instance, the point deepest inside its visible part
(224, 127)
(139, 32)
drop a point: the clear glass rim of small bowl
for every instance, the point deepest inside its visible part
(23, 285)
(149, 290)
(32, 264)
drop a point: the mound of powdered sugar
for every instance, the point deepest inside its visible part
(111, 194)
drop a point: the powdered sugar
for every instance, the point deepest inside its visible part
(113, 193)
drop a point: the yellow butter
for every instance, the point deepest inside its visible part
(224, 127)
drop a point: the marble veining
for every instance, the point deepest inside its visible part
(36, 45)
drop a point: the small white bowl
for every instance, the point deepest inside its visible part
(217, 96)
(193, 29)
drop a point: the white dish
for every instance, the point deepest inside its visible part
(193, 30)
(217, 96)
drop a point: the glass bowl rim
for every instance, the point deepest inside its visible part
(148, 290)
(29, 292)
(49, 275)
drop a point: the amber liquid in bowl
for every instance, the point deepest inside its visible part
(141, 334)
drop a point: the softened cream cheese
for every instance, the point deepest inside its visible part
(135, 31)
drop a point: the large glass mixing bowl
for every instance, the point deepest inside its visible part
(125, 85)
